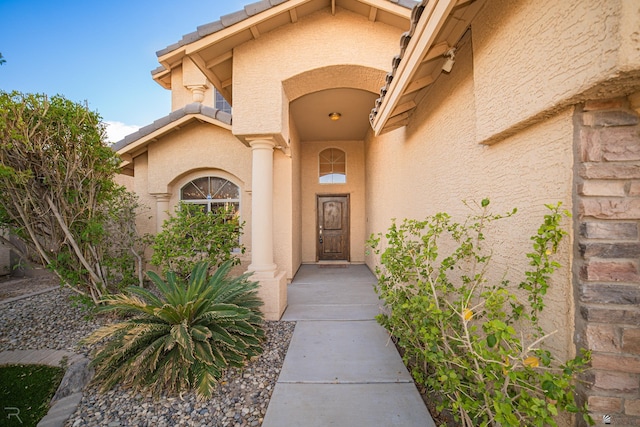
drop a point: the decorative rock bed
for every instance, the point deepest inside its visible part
(51, 321)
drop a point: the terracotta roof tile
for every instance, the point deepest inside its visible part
(416, 13)
(239, 16)
(257, 7)
(193, 108)
(169, 48)
(191, 37)
(233, 18)
(158, 70)
(405, 3)
(223, 116)
(210, 28)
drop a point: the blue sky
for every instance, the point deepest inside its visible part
(101, 52)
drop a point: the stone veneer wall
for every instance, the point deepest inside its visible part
(607, 272)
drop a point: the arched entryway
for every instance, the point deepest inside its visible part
(329, 116)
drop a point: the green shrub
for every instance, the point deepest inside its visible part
(59, 194)
(468, 340)
(193, 235)
(185, 337)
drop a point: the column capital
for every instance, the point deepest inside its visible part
(197, 92)
(162, 197)
(262, 142)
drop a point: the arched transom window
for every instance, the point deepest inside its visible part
(212, 193)
(333, 166)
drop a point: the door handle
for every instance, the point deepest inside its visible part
(320, 234)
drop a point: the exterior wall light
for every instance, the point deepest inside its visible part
(450, 60)
(335, 116)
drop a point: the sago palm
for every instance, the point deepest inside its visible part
(182, 339)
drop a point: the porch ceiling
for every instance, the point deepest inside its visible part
(310, 115)
(211, 46)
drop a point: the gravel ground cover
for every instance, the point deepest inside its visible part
(50, 320)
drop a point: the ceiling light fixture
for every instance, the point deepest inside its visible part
(335, 116)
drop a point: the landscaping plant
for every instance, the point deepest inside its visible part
(183, 338)
(58, 194)
(193, 235)
(470, 340)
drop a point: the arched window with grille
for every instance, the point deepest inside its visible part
(212, 193)
(332, 166)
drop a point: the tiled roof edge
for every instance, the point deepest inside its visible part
(239, 16)
(193, 108)
(158, 70)
(416, 13)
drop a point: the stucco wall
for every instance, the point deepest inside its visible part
(311, 188)
(296, 218)
(315, 41)
(538, 56)
(181, 78)
(196, 146)
(180, 96)
(435, 163)
(282, 212)
(197, 150)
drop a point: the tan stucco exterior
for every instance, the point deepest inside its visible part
(571, 48)
(320, 41)
(501, 125)
(354, 186)
(526, 171)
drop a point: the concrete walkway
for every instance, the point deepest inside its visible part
(341, 369)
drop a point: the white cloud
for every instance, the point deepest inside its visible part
(118, 130)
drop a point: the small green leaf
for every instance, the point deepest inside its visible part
(491, 340)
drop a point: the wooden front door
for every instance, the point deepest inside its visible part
(332, 231)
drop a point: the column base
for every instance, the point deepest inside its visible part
(273, 292)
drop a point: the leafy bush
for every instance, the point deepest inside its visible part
(59, 195)
(193, 235)
(471, 341)
(185, 337)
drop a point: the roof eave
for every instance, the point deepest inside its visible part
(133, 142)
(159, 133)
(234, 25)
(431, 21)
(436, 29)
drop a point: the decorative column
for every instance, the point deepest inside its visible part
(197, 92)
(162, 209)
(606, 272)
(273, 289)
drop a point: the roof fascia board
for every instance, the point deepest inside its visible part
(431, 21)
(288, 6)
(241, 26)
(166, 129)
(387, 6)
(172, 58)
